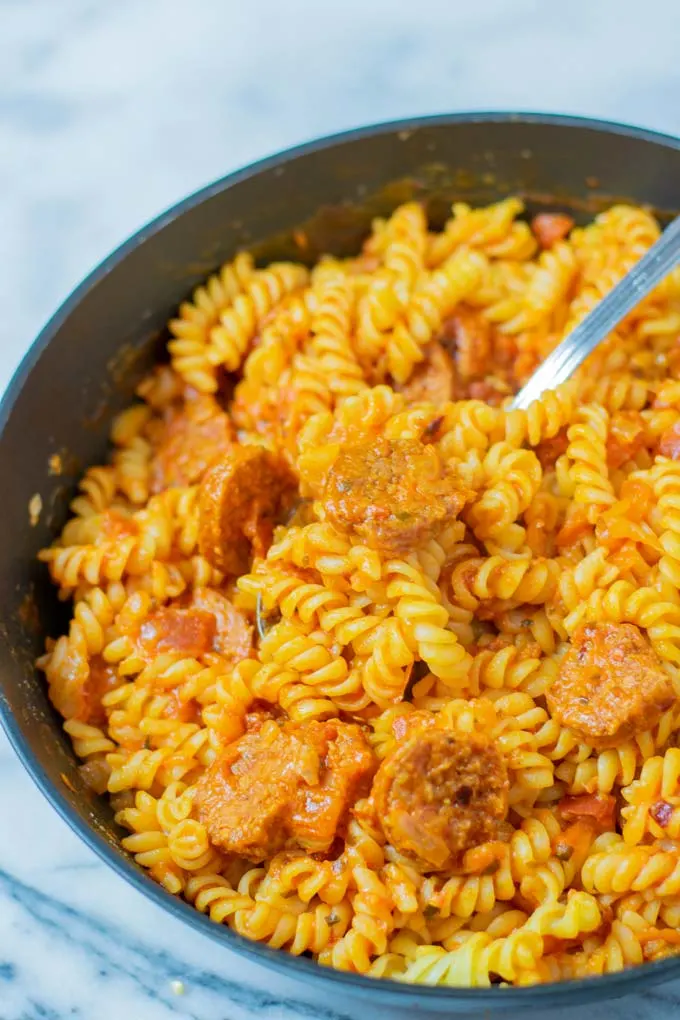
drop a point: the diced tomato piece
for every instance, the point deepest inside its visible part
(575, 841)
(574, 529)
(625, 439)
(640, 496)
(102, 679)
(598, 806)
(549, 450)
(549, 228)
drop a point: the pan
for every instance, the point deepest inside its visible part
(83, 368)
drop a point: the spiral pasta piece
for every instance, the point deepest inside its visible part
(191, 329)
(430, 303)
(230, 339)
(418, 607)
(475, 961)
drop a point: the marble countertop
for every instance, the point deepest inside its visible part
(110, 112)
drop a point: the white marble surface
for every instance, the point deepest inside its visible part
(110, 111)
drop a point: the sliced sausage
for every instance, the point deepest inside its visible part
(433, 379)
(233, 634)
(191, 440)
(611, 684)
(440, 794)
(240, 499)
(190, 632)
(549, 228)
(392, 494)
(467, 336)
(285, 787)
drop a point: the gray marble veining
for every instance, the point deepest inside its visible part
(109, 112)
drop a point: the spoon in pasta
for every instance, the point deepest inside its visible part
(563, 361)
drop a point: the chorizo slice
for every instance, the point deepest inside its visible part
(233, 634)
(196, 624)
(186, 631)
(611, 684)
(392, 494)
(239, 501)
(285, 787)
(433, 379)
(191, 440)
(467, 336)
(440, 794)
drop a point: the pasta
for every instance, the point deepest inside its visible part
(371, 667)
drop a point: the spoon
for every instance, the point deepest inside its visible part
(563, 361)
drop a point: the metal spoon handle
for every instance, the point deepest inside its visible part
(563, 361)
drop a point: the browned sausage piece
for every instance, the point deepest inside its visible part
(433, 379)
(611, 684)
(192, 440)
(194, 625)
(285, 787)
(233, 634)
(467, 336)
(184, 631)
(440, 794)
(392, 494)
(239, 501)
